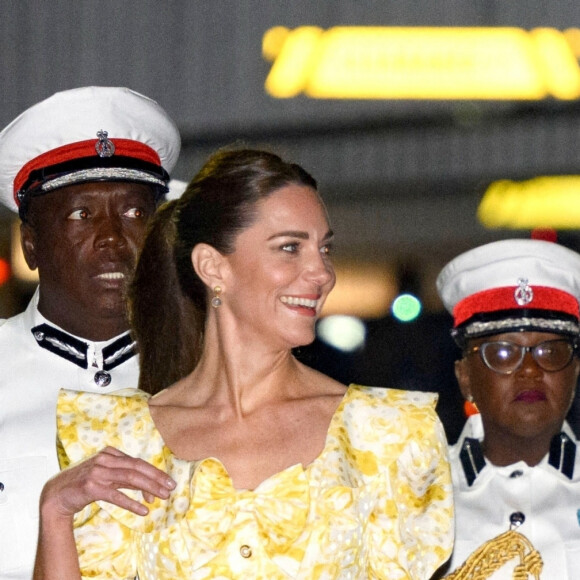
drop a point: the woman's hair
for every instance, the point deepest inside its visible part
(167, 300)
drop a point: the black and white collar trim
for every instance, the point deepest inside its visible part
(472, 460)
(562, 456)
(77, 351)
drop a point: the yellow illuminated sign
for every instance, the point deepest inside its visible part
(422, 63)
(550, 202)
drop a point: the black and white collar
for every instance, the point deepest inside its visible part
(472, 459)
(561, 457)
(563, 454)
(77, 351)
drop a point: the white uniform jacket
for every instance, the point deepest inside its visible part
(546, 497)
(37, 359)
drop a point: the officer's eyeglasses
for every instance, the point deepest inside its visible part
(506, 357)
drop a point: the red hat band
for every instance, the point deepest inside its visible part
(91, 148)
(523, 296)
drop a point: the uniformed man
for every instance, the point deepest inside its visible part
(516, 465)
(85, 169)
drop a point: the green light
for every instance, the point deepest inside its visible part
(406, 307)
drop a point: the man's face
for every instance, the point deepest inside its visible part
(84, 240)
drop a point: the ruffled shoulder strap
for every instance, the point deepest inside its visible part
(391, 397)
(375, 425)
(89, 422)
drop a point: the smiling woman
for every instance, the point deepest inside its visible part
(245, 463)
(516, 466)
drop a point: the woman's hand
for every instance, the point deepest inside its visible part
(99, 478)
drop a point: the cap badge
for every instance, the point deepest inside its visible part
(104, 146)
(523, 294)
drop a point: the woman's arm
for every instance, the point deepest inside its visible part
(411, 533)
(56, 554)
(98, 478)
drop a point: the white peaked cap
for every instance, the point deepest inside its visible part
(176, 189)
(86, 134)
(513, 284)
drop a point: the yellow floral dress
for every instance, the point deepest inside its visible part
(376, 503)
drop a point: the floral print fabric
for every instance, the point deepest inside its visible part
(376, 503)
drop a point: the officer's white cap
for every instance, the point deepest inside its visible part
(509, 285)
(86, 134)
(176, 189)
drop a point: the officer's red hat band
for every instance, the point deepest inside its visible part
(81, 150)
(499, 299)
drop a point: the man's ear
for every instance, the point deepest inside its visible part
(28, 243)
(462, 376)
(208, 264)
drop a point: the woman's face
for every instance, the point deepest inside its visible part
(527, 403)
(280, 273)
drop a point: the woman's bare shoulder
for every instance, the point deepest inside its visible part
(321, 384)
(171, 396)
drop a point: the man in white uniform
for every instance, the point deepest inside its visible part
(85, 169)
(516, 464)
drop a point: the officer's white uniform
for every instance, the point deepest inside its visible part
(547, 495)
(89, 134)
(31, 378)
(507, 287)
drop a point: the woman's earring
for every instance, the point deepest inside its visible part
(216, 301)
(469, 407)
